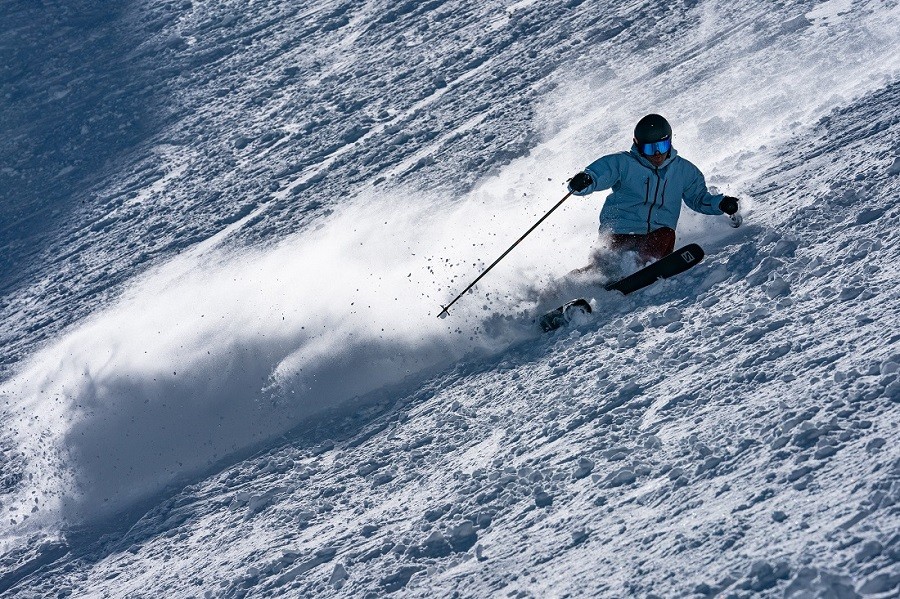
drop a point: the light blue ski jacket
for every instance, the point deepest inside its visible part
(645, 198)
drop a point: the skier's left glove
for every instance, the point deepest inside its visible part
(728, 205)
(580, 182)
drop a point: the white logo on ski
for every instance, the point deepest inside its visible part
(687, 256)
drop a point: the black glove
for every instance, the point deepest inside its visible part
(728, 205)
(580, 182)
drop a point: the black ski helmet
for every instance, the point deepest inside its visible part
(652, 128)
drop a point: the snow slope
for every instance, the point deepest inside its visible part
(225, 375)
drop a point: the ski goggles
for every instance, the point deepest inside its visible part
(657, 147)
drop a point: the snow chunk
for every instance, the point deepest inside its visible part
(764, 576)
(400, 578)
(463, 536)
(668, 317)
(585, 467)
(542, 498)
(869, 215)
(777, 288)
(435, 545)
(869, 550)
(621, 477)
(321, 556)
(368, 530)
(635, 325)
(810, 582)
(894, 169)
(880, 583)
(338, 576)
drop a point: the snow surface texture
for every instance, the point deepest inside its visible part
(228, 228)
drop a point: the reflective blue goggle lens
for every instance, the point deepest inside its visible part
(657, 147)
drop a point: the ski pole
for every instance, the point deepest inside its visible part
(444, 313)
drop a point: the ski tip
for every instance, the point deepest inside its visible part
(691, 253)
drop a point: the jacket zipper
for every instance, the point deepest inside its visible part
(655, 194)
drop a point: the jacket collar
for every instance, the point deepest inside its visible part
(673, 154)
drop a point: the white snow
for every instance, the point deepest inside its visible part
(222, 374)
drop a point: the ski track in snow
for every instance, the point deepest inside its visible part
(225, 243)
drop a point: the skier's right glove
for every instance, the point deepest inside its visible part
(728, 205)
(580, 182)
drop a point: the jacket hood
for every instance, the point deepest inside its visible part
(673, 154)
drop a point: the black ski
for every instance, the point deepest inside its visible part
(675, 263)
(563, 315)
(668, 266)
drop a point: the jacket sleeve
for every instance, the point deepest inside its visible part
(604, 171)
(696, 194)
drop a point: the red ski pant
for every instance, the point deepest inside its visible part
(651, 246)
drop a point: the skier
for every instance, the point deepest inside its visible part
(648, 184)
